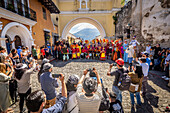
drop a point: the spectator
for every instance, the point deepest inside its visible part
(145, 69)
(136, 80)
(166, 77)
(117, 74)
(19, 50)
(148, 60)
(34, 52)
(8, 45)
(89, 94)
(24, 55)
(22, 75)
(156, 55)
(148, 48)
(115, 105)
(14, 55)
(41, 69)
(3, 52)
(130, 52)
(49, 47)
(46, 49)
(152, 52)
(125, 46)
(5, 100)
(35, 102)
(134, 42)
(48, 84)
(72, 105)
(42, 52)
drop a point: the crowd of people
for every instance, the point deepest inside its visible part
(86, 94)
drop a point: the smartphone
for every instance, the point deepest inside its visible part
(56, 75)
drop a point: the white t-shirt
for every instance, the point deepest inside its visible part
(72, 103)
(88, 104)
(134, 42)
(148, 49)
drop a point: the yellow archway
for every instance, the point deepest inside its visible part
(83, 20)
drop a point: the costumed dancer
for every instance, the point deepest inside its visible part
(117, 51)
(74, 56)
(103, 54)
(125, 46)
(77, 51)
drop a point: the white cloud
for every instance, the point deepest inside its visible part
(81, 26)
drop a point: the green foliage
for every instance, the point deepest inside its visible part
(123, 2)
(115, 19)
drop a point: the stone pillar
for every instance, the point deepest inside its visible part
(2, 42)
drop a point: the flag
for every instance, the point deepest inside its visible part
(97, 40)
(86, 41)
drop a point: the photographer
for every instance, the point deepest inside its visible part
(116, 73)
(35, 102)
(89, 94)
(48, 85)
(22, 75)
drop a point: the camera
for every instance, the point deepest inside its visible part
(56, 75)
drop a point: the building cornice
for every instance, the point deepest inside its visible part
(90, 12)
(15, 17)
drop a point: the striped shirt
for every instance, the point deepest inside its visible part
(88, 104)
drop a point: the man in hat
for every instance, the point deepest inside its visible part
(117, 74)
(89, 93)
(48, 85)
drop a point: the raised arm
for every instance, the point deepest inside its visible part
(82, 78)
(64, 89)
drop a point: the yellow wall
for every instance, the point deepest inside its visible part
(41, 23)
(104, 19)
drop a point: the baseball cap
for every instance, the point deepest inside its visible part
(73, 79)
(47, 66)
(120, 61)
(45, 61)
(112, 95)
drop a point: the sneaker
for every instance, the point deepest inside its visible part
(163, 76)
(166, 78)
(138, 105)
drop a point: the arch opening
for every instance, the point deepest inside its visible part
(78, 20)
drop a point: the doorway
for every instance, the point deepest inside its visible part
(17, 41)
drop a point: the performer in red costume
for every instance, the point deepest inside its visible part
(117, 50)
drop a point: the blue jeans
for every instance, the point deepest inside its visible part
(116, 90)
(130, 59)
(137, 98)
(125, 57)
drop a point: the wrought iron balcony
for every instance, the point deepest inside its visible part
(19, 8)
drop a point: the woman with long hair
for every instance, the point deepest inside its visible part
(136, 84)
(22, 75)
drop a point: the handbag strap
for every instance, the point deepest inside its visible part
(72, 108)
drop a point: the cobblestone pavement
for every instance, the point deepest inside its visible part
(155, 102)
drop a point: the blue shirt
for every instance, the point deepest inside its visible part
(19, 52)
(148, 61)
(125, 46)
(57, 108)
(48, 85)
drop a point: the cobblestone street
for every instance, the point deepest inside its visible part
(155, 102)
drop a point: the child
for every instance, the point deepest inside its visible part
(115, 105)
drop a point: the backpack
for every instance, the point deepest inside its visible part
(124, 81)
(105, 102)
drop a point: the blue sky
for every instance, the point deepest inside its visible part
(82, 26)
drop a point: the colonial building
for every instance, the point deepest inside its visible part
(96, 12)
(27, 21)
